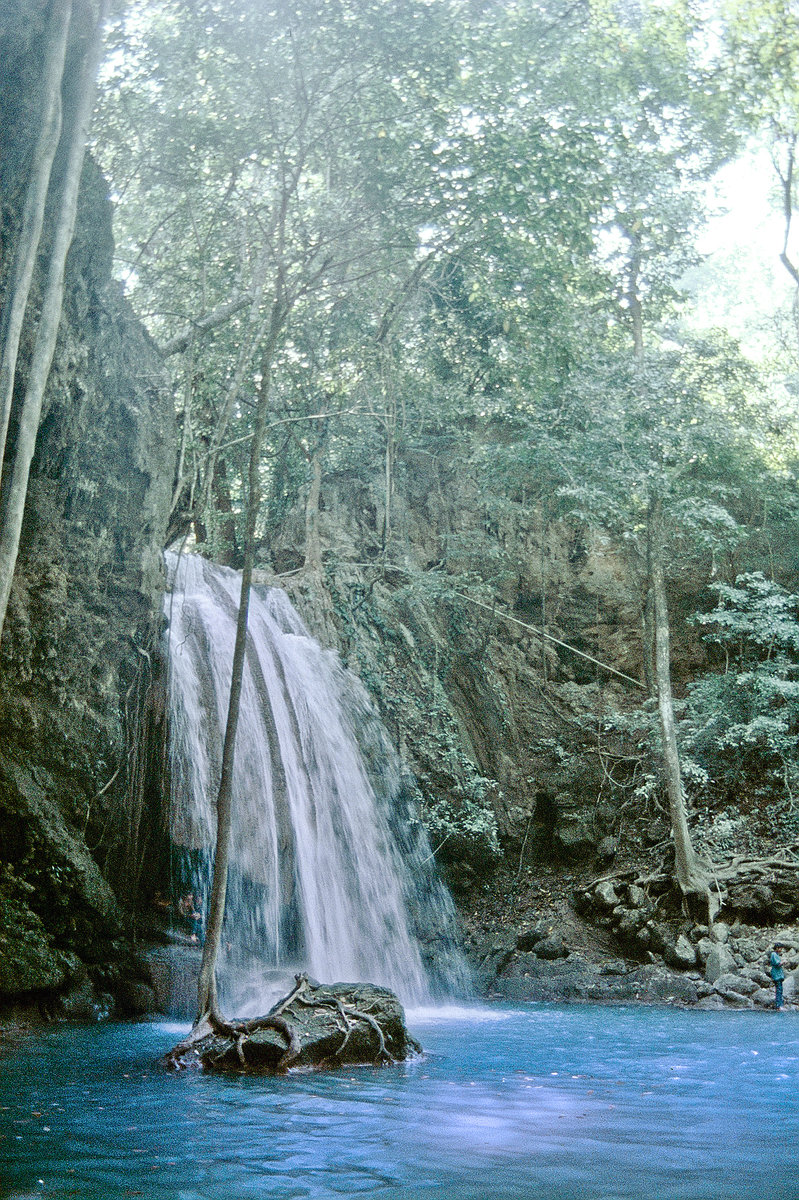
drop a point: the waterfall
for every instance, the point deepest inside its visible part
(331, 871)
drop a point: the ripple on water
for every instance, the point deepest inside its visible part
(545, 1103)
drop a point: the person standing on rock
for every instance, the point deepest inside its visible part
(777, 972)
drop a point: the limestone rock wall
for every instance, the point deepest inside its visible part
(84, 609)
(497, 724)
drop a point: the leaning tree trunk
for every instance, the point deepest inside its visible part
(208, 1011)
(690, 876)
(33, 209)
(16, 487)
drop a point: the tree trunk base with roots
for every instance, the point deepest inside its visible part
(315, 1025)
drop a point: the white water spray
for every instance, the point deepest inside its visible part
(330, 873)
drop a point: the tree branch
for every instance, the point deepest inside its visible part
(211, 320)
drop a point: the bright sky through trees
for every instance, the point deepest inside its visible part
(741, 284)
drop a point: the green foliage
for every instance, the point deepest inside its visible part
(762, 60)
(475, 212)
(458, 809)
(28, 961)
(743, 722)
(435, 187)
(463, 832)
(754, 618)
(688, 426)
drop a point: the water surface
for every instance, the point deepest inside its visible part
(549, 1103)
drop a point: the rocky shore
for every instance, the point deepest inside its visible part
(729, 979)
(611, 941)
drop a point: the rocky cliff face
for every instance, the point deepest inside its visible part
(531, 758)
(83, 609)
(525, 719)
(498, 722)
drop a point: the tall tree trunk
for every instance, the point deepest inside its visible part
(648, 642)
(15, 487)
(33, 209)
(634, 295)
(389, 481)
(690, 876)
(207, 997)
(313, 547)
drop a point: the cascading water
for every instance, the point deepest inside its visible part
(330, 871)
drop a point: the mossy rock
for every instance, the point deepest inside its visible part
(28, 963)
(316, 1025)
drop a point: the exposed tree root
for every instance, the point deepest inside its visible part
(345, 1011)
(711, 892)
(214, 1040)
(382, 1054)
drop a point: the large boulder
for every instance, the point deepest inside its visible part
(605, 896)
(681, 955)
(720, 961)
(316, 1025)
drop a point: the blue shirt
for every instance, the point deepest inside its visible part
(777, 972)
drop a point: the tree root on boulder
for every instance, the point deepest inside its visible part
(315, 1025)
(763, 890)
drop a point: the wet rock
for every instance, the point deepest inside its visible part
(607, 848)
(614, 966)
(754, 950)
(636, 897)
(577, 981)
(551, 947)
(657, 984)
(712, 1002)
(574, 831)
(136, 998)
(499, 954)
(719, 932)
(737, 984)
(737, 999)
(528, 939)
(643, 939)
(316, 1025)
(520, 966)
(629, 923)
(82, 1003)
(88, 581)
(660, 937)
(760, 978)
(573, 980)
(28, 962)
(703, 949)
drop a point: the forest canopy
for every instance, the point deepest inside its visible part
(449, 210)
(413, 227)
